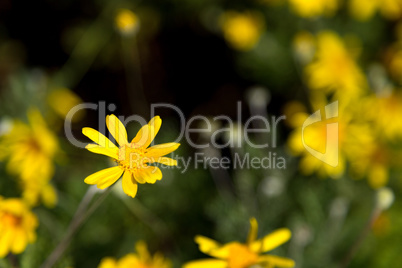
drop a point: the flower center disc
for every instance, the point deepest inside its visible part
(240, 256)
(131, 158)
(9, 219)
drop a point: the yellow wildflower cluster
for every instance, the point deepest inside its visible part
(333, 75)
(141, 259)
(334, 68)
(30, 150)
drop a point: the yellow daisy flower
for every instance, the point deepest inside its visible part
(319, 137)
(242, 30)
(315, 136)
(142, 259)
(17, 226)
(334, 68)
(238, 255)
(30, 150)
(132, 158)
(314, 8)
(127, 22)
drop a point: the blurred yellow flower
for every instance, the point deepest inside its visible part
(132, 158)
(17, 226)
(35, 190)
(373, 161)
(359, 141)
(238, 255)
(316, 137)
(61, 100)
(142, 259)
(386, 113)
(304, 47)
(334, 68)
(127, 22)
(31, 150)
(314, 8)
(242, 30)
(365, 9)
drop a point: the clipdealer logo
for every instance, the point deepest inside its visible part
(210, 136)
(331, 154)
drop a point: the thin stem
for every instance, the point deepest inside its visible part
(360, 239)
(79, 218)
(95, 38)
(146, 216)
(132, 64)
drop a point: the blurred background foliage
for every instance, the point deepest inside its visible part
(203, 57)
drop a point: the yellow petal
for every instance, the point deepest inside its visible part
(49, 196)
(130, 260)
(211, 247)
(144, 137)
(113, 153)
(161, 149)
(210, 263)
(252, 235)
(35, 118)
(108, 174)
(108, 263)
(142, 250)
(106, 182)
(6, 238)
(155, 123)
(164, 160)
(138, 177)
(117, 129)
(19, 242)
(271, 241)
(148, 132)
(275, 261)
(130, 186)
(150, 174)
(98, 137)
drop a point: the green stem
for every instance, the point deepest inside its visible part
(81, 215)
(85, 52)
(360, 239)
